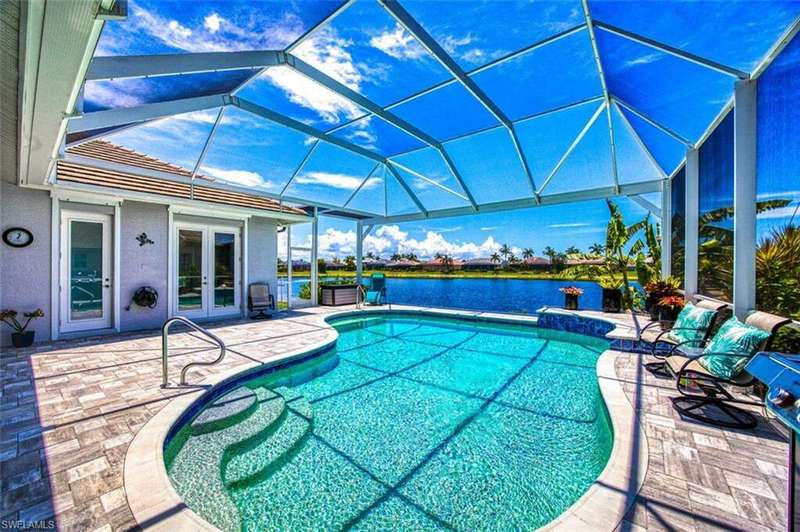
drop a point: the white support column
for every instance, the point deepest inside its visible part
(666, 229)
(359, 251)
(692, 221)
(744, 198)
(289, 279)
(314, 255)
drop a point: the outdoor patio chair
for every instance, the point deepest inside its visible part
(664, 343)
(376, 292)
(259, 300)
(704, 387)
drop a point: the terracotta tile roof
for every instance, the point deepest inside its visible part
(106, 151)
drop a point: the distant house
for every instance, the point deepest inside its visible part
(403, 264)
(374, 264)
(537, 263)
(584, 262)
(301, 265)
(330, 265)
(483, 265)
(437, 264)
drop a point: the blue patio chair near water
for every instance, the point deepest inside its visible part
(376, 291)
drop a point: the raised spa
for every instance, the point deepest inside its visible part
(411, 422)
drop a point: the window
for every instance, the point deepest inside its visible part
(778, 187)
(715, 226)
(678, 203)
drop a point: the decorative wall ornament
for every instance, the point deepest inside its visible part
(144, 240)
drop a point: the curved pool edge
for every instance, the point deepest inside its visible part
(156, 505)
(605, 503)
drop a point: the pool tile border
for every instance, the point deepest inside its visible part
(157, 506)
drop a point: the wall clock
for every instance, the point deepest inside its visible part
(17, 237)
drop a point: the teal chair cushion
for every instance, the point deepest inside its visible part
(733, 338)
(692, 324)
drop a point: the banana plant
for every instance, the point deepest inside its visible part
(623, 245)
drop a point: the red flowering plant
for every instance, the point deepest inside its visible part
(672, 302)
(571, 290)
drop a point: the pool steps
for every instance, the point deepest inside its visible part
(226, 411)
(196, 472)
(271, 449)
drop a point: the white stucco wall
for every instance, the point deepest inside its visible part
(25, 272)
(143, 265)
(262, 262)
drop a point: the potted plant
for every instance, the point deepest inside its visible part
(612, 296)
(571, 295)
(669, 307)
(657, 290)
(21, 337)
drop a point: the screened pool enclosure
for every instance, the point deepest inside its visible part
(387, 111)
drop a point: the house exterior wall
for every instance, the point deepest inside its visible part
(145, 265)
(262, 245)
(26, 280)
(25, 277)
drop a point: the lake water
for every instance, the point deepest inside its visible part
(494, 295)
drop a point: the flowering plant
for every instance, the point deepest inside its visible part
(571, 290)
(671, 302)
(9, 317)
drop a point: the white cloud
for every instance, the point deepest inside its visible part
(217, 34)
(238, 177)
(344, 181)
(783, 212)
(390, 239)
(309, 94)
(212, 22)
(460, 47)
(398, 44)
(557, 226)
(491, 228)
(107, 94)
(644, 59)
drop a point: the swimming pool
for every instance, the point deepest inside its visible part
(411, 422)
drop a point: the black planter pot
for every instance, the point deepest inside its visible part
(651, 307)
(668, 315)
(612, 300)
(570, 302)
(24, 339)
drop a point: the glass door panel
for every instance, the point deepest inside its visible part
(207, 271)
(191, 271)
(225, 277)
(86, 271)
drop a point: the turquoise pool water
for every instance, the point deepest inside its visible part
(411, 423)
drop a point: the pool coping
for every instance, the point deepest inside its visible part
(156, 505)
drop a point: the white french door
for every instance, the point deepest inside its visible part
(86, 271)
(207, 270)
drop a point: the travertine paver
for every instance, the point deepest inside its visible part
(69, 410)
(702, 477)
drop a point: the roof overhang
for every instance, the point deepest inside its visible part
(57, 41)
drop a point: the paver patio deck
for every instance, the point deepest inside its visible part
(69, 410)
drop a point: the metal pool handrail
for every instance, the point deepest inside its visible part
(165, 348)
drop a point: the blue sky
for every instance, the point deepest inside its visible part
(365, 49)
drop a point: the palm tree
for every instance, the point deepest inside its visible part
(495, 257)
(396, 256)
(572, 250)
(597, 249)
(551, 254)
(369, 255)
(527, 253)
(505, 251)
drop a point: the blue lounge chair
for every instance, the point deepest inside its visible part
(376, 291)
